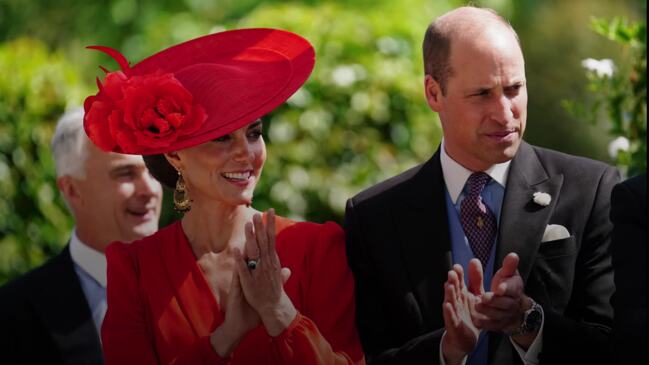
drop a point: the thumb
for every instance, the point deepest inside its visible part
(509, 269)
(475, 277)
(286, 274)
(510, 265)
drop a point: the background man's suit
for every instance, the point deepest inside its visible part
(45, 318)
(629, 249)
(399, 252)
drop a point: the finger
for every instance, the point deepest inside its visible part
(447, 293)
(511, 287)
(478, 319)
(286, 274)
(454, 295)
(450, 318)
(251, 247)
(245, 276)
(499, 302)
(476, 277)
(510, 265)
(460, 275)
(454, 281)
(491, 325)
(262, 236)
(509, 268)
(495, 316)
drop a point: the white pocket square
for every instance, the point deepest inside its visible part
(554, 232)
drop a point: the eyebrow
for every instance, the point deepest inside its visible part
(481, 88)
(122, 168)
(255, 124)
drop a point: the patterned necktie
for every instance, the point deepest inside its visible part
(478, 221)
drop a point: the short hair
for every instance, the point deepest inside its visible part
(437, 45)
(70, 145)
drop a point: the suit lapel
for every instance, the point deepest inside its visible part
(523, 222)
(65, 313)
(422, 228)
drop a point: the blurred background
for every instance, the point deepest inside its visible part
(359, 119)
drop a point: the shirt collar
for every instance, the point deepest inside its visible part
(89, 260)
(456, 175)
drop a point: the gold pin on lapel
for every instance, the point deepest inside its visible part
(479, 222)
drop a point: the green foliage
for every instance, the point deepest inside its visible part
(35, 87)
(620, 96)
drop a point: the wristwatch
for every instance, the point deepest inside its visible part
(532, 319)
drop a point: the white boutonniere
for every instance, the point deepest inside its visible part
(542, 199)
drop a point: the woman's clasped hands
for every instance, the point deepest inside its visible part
(257, 293)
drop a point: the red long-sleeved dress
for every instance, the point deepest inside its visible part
(161, 309)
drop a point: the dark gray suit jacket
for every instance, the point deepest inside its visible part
(45, 318)
(399, 251)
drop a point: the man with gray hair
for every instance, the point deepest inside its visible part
(53, 314)
(493, 251)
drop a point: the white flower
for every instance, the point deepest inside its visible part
(617, 145)
(542, 199)
(602, 68)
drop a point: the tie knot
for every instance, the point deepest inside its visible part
(477, 182)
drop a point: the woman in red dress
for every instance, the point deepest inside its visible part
(226, 284)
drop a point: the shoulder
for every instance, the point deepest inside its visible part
(307, 231)
(388, 189)
(147, 248)
(306, 238)
(144, 246)
(629, 201)
(635, 186)
(556, 162)
(57, 270)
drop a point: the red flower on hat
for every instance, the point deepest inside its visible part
(140, 113)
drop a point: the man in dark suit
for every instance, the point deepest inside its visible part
(528, 226)
(629, 250)
(52, 315)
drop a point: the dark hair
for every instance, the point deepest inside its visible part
(162, 170)
(437, 52)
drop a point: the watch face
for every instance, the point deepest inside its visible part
(533, 319)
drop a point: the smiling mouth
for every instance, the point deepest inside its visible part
(237, 176)
(142, 213)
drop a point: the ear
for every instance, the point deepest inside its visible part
(433, 93)
(69, 189)
(174, 160)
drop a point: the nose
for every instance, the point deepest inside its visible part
(148, 185)
(242, 151)
(503, 110)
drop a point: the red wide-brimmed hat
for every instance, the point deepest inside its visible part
(195, 91)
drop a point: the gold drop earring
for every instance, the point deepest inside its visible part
(182, 203)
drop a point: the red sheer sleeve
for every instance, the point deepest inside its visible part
(324, 333)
